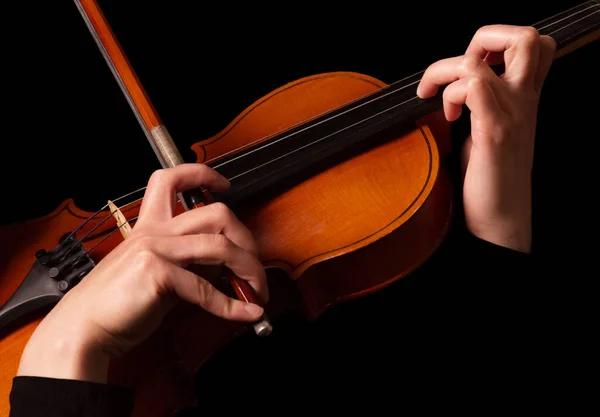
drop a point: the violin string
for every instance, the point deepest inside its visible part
(108, 216)
(572, 23)
(262, 139)
(293, 134)
(88, 251)
(304, 121)
(570, 10)
(100, 210)
(235, 150)
(74, 244)
(344, 128)
(593, 4)
(321, 139)
(315, 124)
(569, 16)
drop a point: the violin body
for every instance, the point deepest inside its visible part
(350, 229)
(353, 226)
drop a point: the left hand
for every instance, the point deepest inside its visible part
(498, 154)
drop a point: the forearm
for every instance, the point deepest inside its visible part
(63, 351)
(497, 200)
(60, 374)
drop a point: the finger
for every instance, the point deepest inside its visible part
(213, 219)
(193, 289)
(454, 97)
(160, 196)
(212, 249)
(547, 51)
(477, 94)
(520, 45)
(449, 70)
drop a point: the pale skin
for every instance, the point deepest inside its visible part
(122, 301)
(498, 155)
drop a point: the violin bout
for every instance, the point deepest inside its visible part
(357, 225)
(344, 232)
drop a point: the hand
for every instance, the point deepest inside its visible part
(125, 297)
(498, 154)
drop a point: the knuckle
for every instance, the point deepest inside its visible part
(470, 63)
(143, 256)
(529, 35)
(428, 70)
(158, 178)
(221, 243)
(205, 169)
(206, 296)
(141, 243)
(147, 260)
(148, 265)
(475, 83)
(221, 211)
(154, 270)
(202, 290)
(483, 29)
(448, 94)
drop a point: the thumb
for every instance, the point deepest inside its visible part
(196, 290)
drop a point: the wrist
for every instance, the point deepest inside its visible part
(63, 352)
(510, 234)
(497, 194)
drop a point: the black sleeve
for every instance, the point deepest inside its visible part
(493, 287)
(491, 268)
(493, 301)
(48, 397)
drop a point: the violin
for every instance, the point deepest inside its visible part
(339, 176)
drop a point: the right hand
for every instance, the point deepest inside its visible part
(125, 297)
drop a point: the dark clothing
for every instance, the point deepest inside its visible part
(49, 397)
(469, 325)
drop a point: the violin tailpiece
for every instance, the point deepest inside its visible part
(52, 275)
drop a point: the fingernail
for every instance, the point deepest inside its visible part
(253, 309)
(419, 90)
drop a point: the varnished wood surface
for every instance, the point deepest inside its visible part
(20, 242)
(559, 158)
(348, 206)
(345, 232)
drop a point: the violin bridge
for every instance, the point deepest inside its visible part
(122, 223)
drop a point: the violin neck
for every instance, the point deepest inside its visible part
(323, 141)
(359, 124)
(572, 28)
(329, 137)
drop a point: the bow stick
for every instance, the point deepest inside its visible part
(157, 134)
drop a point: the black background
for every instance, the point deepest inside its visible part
(69, 133)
